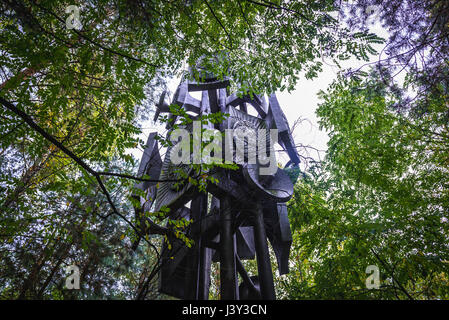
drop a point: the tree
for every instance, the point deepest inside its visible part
(380, 196)
(381, 199)
(416, 48)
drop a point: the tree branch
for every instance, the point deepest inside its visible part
(392, 276)
(218, 20)
(27, 119)
(271, 5)
(96, 43)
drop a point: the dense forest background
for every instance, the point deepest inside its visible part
(73, 101)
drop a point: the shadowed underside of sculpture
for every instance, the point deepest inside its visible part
(237, 216)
